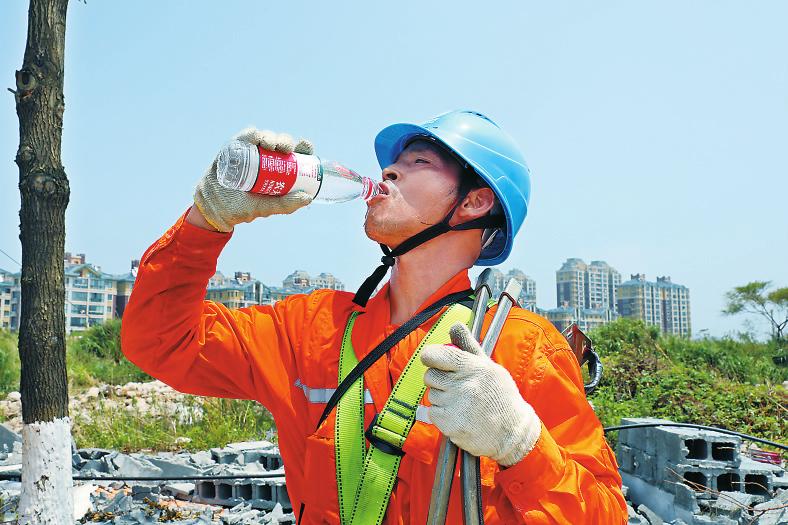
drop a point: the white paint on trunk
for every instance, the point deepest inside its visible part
(46, 474)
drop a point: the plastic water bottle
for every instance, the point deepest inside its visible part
(246, 167)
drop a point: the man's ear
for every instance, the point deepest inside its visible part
(477, 203)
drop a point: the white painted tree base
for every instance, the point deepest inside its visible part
(46, 474)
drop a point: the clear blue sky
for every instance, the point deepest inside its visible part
(657, 133)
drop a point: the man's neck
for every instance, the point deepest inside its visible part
(418, 274)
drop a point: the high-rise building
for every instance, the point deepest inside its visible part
(590, 286)
(662, 303)
(601, 283)
(586, 294)
(527, 298)
(570, 283)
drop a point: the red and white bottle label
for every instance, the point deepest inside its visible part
(282, 173)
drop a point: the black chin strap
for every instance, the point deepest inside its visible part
(368, 286)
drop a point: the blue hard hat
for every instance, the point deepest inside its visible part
(484, 146)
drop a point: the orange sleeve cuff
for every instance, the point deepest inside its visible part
(203, 245)
(528, 480)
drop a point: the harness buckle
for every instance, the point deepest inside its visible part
(379, 442)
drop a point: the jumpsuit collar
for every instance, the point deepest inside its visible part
(379, 307)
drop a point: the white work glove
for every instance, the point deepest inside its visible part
(476, 403)
(223, 208)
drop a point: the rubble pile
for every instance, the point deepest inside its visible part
(150, 399)
(228, 500)
(689, 476)
(672, 475)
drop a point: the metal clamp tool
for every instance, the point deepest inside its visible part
(447, 459)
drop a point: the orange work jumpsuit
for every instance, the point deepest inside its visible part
(285, 356)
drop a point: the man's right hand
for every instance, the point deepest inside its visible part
(223, 208)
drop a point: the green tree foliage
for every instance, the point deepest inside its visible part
(755, 298)
(9, 362)
(720, 382)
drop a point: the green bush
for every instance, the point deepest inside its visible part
(94, 357)
(718, 382)
(102, 340)
(9, 362)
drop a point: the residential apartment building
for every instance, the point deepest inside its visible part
(242, 290)
(590, 286)
(90, 296)
(661, 303)
(301, 279)
(9, 300)
(527, 298)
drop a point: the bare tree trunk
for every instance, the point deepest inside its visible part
(46, 469)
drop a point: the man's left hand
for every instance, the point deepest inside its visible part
(476, 403)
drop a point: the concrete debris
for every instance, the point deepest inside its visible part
(9, 500)
(774, 512)
(182, 491)
(693, 477)
(82, 500)
(151, 399)
(7, 439)
(650, 515)
(227, 501)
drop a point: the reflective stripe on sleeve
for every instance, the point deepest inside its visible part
(423, 415)
(322, 395)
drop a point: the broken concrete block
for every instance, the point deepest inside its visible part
(732, 505)
(171, 467)
(182, 491)
(93, 453)
(119, 503)
(650, 515)
(758, 478)
(624, 457)
(141, 491)
(7, 439)
(203, 457)
(633, 518)
(226, 457)
(133, 466)
(774, 512)
(93, 465)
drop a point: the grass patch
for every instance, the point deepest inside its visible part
(94, 357)
(223, 421)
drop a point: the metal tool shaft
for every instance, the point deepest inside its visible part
(447, 457)
(470, 473)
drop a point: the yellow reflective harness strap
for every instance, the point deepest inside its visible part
(348, 430)
(365, 501)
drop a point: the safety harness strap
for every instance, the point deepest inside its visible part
(365, 501)
(387, 344)
(370, 283)
(349, 445)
